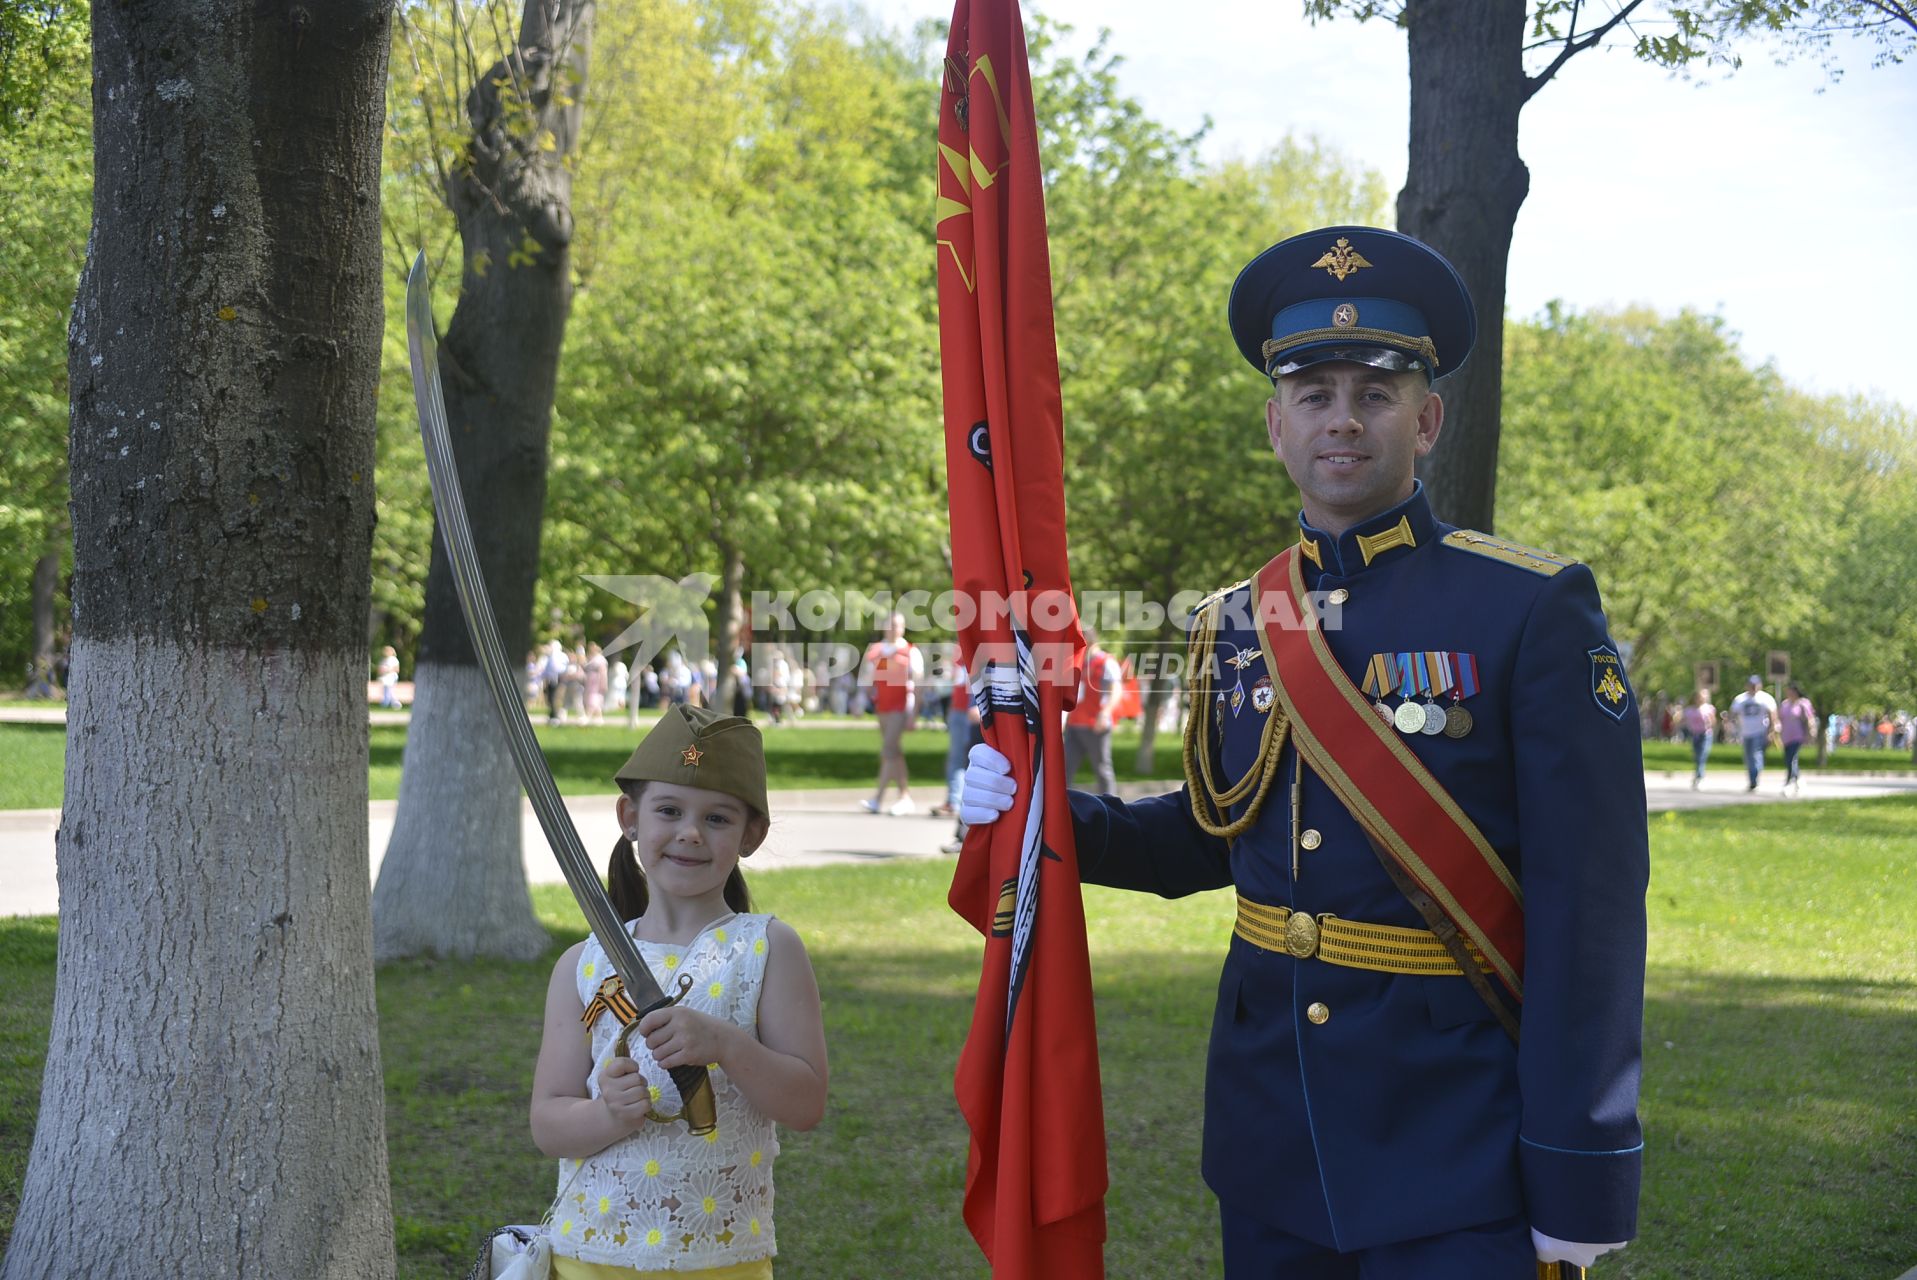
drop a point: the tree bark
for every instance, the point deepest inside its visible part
(212, 1103)
(46, 581)
(730, 612)
(1463, 187)
(499, 364)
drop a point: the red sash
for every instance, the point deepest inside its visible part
(1384, 785)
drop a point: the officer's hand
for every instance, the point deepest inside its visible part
(988, 788)
(625, 1092)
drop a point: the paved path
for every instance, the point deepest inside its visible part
(811, 828)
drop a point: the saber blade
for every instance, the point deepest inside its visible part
(695, 1088)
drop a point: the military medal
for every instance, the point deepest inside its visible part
(1409, 717)
(1378, 682)
(1457, 720)
(1435, 678)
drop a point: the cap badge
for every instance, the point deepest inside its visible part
(691, 756)
(1344, 315)
(1341, 260)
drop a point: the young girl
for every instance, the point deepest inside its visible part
(652, 1200)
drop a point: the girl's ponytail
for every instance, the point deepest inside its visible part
(736, 896)
(626, 883)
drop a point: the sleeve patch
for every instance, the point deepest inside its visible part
(1608, 687)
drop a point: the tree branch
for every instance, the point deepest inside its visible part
(1573, 47)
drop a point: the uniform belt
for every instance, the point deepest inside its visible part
(1387, 948)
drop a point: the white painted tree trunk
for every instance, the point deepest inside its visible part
(212, 1103)
(453, 880)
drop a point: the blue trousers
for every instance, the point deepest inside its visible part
(1753, 758)
(1494, 1251)
(1700, 750)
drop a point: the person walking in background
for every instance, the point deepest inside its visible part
(1088, 725)
(964, 730)
(1700, 728)
(1754, 712)
(552, 673)
(892, 669)
(388, 678)
(621, 684)
(597, 681)
(1797, 724)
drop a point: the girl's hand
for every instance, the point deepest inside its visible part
(681, 1037)
(625, 1092)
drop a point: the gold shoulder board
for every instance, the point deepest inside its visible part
(1545, 563)
(1218, 595)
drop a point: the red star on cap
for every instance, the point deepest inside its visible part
(692, 755)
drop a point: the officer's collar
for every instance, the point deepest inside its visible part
(1372, 541)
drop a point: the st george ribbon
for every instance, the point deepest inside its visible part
(1027, 1078)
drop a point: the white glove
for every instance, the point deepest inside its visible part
(1550, 1249)
(988, 788)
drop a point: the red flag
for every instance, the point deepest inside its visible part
(1028, 1077)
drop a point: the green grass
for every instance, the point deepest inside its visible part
(584, 758)
(1780, 1064)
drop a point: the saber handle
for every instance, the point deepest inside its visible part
(697, 1106)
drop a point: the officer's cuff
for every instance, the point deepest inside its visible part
(1581, 1195)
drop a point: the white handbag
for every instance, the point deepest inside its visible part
(521, 1252)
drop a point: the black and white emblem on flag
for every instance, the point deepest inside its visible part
(979, 442)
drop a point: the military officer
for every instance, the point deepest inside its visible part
(1412, 751)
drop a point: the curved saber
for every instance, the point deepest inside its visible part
(695, 1088)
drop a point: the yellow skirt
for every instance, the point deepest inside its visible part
(564, 1268)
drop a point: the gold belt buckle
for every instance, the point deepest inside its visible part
(1301, 935)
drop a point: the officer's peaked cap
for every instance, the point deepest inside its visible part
(1352, 293)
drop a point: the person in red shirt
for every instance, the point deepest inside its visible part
(890, 673)
(1088, 726)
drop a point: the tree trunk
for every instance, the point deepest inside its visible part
(1147, 758)
(731, 612)
(468, 756)
(46, 581)
(1463, 188)
(499, 364)
(212, 1103)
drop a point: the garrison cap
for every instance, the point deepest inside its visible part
(698, 747)
(1352, 293)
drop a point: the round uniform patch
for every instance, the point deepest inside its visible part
(1344, 316)
(1261, 695)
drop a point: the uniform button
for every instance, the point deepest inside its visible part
(1311, 839)
(1339, 596)
(1318, 1014)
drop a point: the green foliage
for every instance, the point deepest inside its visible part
(46, 164)
(1725, 515)
(43, 49)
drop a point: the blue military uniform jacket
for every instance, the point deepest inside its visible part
(1406, 1110)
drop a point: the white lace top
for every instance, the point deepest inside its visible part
(661, 1199)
